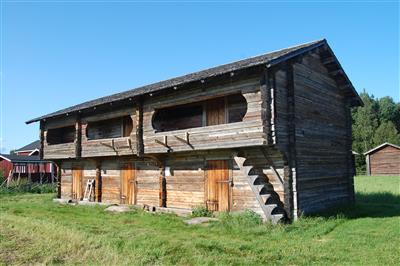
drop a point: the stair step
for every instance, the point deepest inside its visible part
(271, 198)
(257, 179)
(278, 218)
(266, 189)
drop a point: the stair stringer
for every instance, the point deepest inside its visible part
(266, 196)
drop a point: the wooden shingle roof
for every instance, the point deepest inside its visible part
(268, 59)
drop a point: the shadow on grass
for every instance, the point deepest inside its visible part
(373, 205)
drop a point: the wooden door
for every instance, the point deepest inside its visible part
(77, 183)
(128, 186)
(218, 186)
(215, 112)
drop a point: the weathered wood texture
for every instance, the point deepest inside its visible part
(111, 181)
(109, 134)
(148, 183)
(66, 180)
(218, 186)
(295, 125)
(104, 134)
(385, 161)
(248, 132)
(323, 140)
(185, 184)
(128, 183)
(58, 151)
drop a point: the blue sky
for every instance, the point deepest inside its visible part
(59, 53)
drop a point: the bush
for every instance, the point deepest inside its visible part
(201, 211)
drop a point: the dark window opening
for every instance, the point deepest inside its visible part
(180, 117)
(222, 110)
(111, 128)
(237, 108)
(61, 135)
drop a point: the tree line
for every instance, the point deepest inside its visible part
(377, 122)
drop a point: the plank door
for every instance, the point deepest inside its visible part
(215, 112)
(218, 186)
(77, 183)
(128, 187)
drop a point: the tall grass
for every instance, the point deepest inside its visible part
(26, 187)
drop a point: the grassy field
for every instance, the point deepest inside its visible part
(34, 230)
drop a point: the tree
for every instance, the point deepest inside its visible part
(378, 121)
(389, 111)
(365, 122)
(386, 132)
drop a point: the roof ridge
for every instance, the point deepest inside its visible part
(380, 146)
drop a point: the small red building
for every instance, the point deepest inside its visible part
(25, 163)
(383, 160)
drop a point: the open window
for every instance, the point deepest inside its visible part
(60, 135)
(222, 110)
(111, 128)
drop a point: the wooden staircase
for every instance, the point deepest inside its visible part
(264, 191)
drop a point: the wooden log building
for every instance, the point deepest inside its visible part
(271, 133)
(383, 160)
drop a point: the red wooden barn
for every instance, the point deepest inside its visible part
(26, 163)
(383, 160)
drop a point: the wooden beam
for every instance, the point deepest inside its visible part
(41, 137)
(78, 138)
(163, 187)
(98, 182)
(290, 166)
(58, 169)
(139, 128)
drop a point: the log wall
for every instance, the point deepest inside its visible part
(323, 139)
(249, 132)
(385, 161)
(109, 146)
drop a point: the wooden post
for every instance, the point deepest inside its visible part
(368, 167)
(58, 166)
(139, 128)
(290, 184)
(266, 107)
(78, 138)
(98, 182)
(163, 187)
(41, 138)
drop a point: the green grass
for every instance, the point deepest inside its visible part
(34, 230)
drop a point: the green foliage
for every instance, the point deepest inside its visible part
(378, 121)
(389, 111)
(36, 231)
(386, 132)
(201, 211)
(25, 187)
(244, 219)
(2, 176)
